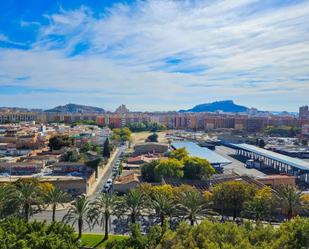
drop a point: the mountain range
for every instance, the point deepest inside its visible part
(224, 106)
(74, 108)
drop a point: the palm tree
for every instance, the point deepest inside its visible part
(101, 210)
(28, 196)
(79, 212)
(162, 205)
(55, 197)
(133, 202)
(7, 200)
(290, 200)
(192, 206)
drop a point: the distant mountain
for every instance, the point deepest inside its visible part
(73, 108)
(225, 106)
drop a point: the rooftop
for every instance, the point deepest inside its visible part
(295, 162)
(202, 152)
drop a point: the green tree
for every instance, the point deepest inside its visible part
(169, 168)
(121, 135)
(148, 171)
(15, 233)
(59, 141)
(79, 213)
(94, 164)
(8, 200)
(179, 154)
(133, 202)
(260, 207)
(192, 205)
(71, 155)
(145, 126)
(197, 168)
(102, 209)
(290, 199)
(230, 196)
(162, 204)
(29, 197)
(91, 147)
(293, 234)
(106, 149)
(55, 197)
(152, 138)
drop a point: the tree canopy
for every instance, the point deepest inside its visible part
(152, 138)
(17, 234)
(60, 141)
(145, 126)
(121, 134)
(197, 168)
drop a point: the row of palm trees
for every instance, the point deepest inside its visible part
(27, 197)
(187, 204)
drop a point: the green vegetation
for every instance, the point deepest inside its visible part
(101, 210)
(282, 131)
(26, 197)
(15, 233)
(182, 205)
(95, 240)
(152, 138)
(60, 141)
(179, 165)
(90, 147)
(290, 235)
(84, 122)
(229, 197)
(71, 155)
(146, 126)
(107, 148)
(170, 168)
(79, 213)
(197, 168)
(121, 135)
(55, 197)
(179, 154)
(134, 202)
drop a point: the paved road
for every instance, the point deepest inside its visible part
(236, 165)
(47, 215)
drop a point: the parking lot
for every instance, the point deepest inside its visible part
(237, 166)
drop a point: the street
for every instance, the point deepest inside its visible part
(47, 215)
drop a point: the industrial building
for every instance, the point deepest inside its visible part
(281, 163)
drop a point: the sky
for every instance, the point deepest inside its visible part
(154, 54)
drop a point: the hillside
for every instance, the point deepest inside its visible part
(73, 108)
(225, 106)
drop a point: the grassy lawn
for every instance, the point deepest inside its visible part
(92, 240)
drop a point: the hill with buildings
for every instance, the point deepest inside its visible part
(225, 106)
(74, 108)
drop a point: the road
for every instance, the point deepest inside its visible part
(47, 215)
(236, 165)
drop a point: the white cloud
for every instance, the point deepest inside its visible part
(246, 49)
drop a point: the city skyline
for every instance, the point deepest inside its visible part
(154, 55)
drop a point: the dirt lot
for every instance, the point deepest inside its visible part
(140, 137)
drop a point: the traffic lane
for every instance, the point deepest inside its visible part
(46, 215)
(107, 175)
(236, 165)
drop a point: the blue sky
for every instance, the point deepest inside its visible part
(154, 55)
